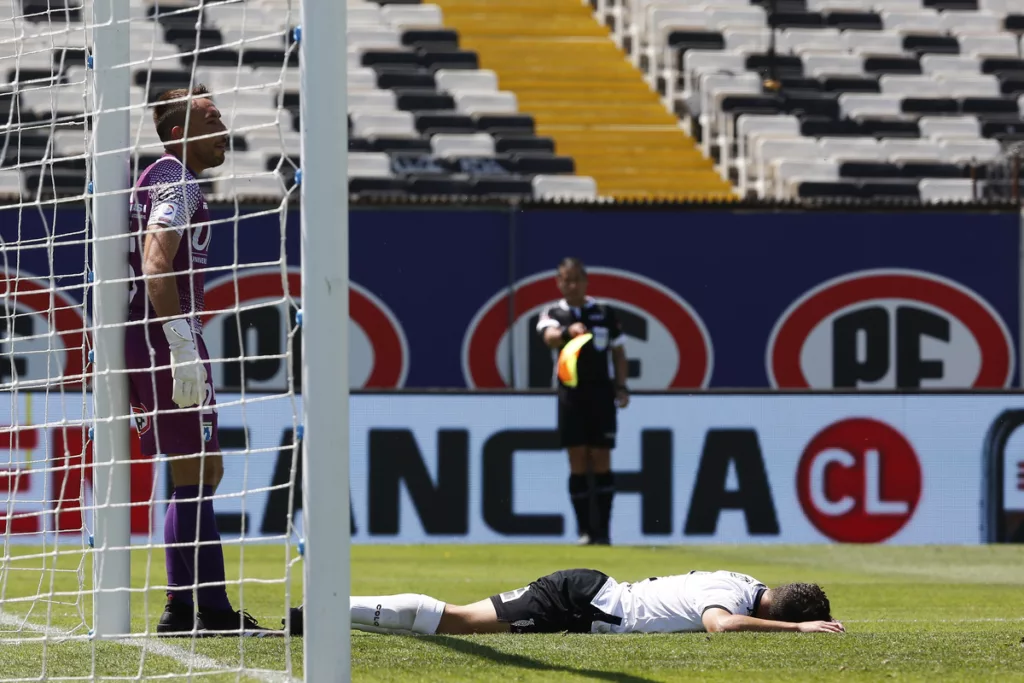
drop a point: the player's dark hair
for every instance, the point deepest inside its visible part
(572, 262)
(171, 108)
(796, 602)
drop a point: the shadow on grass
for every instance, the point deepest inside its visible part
(468, 647)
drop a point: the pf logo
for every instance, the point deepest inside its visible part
(250, 333)
(859, 481)
(28, 351)
(668, 345)
(890, 329)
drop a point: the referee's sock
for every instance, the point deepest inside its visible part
(578, 493)
(605, 485)
(397, 614)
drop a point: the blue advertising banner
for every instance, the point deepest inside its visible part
(449, 297)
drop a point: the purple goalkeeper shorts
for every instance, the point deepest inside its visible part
(164, 427)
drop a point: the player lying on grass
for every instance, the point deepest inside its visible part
(587, 601)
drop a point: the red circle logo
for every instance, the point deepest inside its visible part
(681, 331)
(383, 364)
(870, 322)
(859, 481)
(54, 311)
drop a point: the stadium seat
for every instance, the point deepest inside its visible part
(910, 90)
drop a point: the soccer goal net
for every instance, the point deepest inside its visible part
(90, 557)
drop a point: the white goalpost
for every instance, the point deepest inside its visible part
(325, 342)
(82, 524)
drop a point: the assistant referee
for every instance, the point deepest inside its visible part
(586, 332)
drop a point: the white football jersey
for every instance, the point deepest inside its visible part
(672, 604)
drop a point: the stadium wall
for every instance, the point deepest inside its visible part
(445, 297)
(457, 467)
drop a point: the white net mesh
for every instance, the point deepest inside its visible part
(245, 52)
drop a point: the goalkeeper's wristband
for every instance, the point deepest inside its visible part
(178, 331)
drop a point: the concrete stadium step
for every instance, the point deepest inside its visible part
(584, 93)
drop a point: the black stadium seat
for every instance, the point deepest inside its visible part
(432, 37)
(892, 64)
(824, 104)
(695, 40)
(931, 44)
(501, 185)
(859, 21)
(929, 105)
(389, 76)
(890, 128)
(828, 190)
(508, 123)
(868, 169)
(814, 126)
(850, 84)
(781, 20)
(523, 143)
(390, 144)
(431, 122)
(431, 185)
(421, 99)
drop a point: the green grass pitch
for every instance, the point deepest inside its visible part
(912, 613)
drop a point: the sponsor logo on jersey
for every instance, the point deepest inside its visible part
(165, 213)
(890, 329)
(32, 311)
(378, 350)
(666, 340)
(859, 481)
(207, 432)
(142, 421)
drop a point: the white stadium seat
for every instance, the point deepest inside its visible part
(943, 127)
(395, 123)
(471, 145)
(960, 150)
(564, 187)
(946, 189)
(475, 80)
(474, 102)
(369, 165)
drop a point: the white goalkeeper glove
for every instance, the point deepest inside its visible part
(186, 367)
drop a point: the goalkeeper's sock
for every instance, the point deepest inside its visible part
(578, 493)
(210, 566)
(178, 575)
(405, 613)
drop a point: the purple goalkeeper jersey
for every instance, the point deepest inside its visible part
(168, 194)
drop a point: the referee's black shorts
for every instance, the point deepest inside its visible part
(556, 603)
(587, 417)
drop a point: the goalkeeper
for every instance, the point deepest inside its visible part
(587, 601)
(169, 368)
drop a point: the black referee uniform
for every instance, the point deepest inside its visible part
(587, 412)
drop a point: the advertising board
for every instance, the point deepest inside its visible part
(448, 298)
(454, 468)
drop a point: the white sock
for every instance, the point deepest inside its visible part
(405, 613)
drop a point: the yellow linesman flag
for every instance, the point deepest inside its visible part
(567, 358)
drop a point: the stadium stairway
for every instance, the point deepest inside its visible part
(584, 93)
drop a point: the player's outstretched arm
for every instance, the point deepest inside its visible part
(719, 620)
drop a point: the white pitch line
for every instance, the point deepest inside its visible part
(188, 659)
